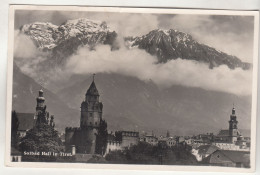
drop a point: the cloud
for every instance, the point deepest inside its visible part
(23, 47)
(27, 56)
(138, 63)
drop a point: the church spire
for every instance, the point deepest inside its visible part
(92, 90)
(94, 77)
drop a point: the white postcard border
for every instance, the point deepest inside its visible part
(11, 42)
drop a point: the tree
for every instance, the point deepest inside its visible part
(42, 138)
(14, 129)
(144, 153)
(101, 138)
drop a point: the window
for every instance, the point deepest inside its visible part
(95, 123)
(91, 114)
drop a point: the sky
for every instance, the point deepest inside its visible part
(231, 34)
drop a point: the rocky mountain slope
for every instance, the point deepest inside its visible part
(132, 104)
(173, 44)
(62, 41)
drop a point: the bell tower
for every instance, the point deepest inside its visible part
(91, 108)
(41, 115)
(91, 115)
(233, 131)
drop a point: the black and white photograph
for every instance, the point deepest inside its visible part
(169, 88)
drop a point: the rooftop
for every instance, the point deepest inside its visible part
(92, 90)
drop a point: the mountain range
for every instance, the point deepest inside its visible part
(62, 41)
(129, 103)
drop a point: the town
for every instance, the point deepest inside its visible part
(92, 139)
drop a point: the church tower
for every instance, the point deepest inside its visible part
(41, 115)
(91, 108)
(233, 131)
(91, 115)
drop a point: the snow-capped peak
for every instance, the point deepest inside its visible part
(85, 25)
(48, 35)
(166, 32)
(38, 26)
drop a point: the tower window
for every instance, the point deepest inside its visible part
(95, 123)
(91, 114)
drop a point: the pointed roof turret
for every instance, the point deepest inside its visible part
(92, 90)
(233, 110)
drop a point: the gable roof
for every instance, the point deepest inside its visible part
(229, 156)
(26, 121)
(223, 132)
(207, 149)
(237, 156)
